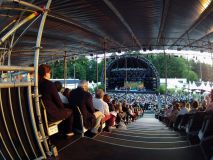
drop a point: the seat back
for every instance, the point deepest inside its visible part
(206, 130)
(50, 127)
(195, 123)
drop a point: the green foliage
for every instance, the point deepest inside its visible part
(162, 89)
(177, 67)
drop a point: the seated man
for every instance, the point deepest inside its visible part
(103, 107)
(83, 99)
(59, 88)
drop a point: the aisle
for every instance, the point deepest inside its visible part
(145, 139)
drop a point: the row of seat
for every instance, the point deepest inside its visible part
(197, 126)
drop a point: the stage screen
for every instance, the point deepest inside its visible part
(134, 85)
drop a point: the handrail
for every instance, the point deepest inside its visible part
(16, 68)
(15, 84)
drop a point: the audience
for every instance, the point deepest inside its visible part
(103, 107)
(183, 109)
(83, 99)
(58, 85)
(210, 102)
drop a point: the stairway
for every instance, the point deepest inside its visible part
(145, 139)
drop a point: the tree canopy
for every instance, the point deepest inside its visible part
(177, 67)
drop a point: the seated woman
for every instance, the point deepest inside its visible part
(54, 106)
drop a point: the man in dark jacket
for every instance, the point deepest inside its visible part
(83, 99)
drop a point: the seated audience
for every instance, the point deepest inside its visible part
(209, 102)
(103, 107)
(66, 92)
(54, 106)
(58, 85)
(83, 99)
(194, 107)
(183, 109)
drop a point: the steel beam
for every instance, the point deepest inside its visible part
(203, 15)
(120, 17)
(6, 36)
(36, 63)
(163, 20)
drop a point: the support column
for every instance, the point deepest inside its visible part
(97, 69)
(166, 68)
(36, 94)
(65, 68)
(104, 66)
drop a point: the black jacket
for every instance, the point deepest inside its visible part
(82, 99)
(54, 106)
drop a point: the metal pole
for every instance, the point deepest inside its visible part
(97, 69)
(201, 76)
(65, 68)
(104, 66)
(74, 70)
(165, 56)
(25, 30)
(16, 68)
(7, 26)
(188, 78)
(36, 63)
(126, 76)
(6, 36)
(27, 4)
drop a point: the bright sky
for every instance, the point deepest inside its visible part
(204, 57)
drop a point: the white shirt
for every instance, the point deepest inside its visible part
(63, 98)
(100, 105)
(182, 111)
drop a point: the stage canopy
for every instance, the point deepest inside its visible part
(95, 26)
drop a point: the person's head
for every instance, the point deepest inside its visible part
(99, 93)
(195, 104)
(182, 104)
(84, 85)
(188, 105)
(107, 98)
(176, 106)
(44, 71)
(66, 92)
(58, 85)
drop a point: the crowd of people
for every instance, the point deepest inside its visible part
(61, 104)
(111, 109)
(170, 113)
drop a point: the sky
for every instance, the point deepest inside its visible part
(203, 57)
